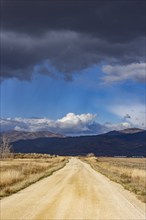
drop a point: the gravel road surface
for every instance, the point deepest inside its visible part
(74, 192)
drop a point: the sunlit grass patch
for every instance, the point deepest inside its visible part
(17, 174)
(129, 172)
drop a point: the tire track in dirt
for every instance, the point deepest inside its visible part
(74, 192)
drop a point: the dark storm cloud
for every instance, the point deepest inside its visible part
(110, 19)
(69, 35)
(127, 116)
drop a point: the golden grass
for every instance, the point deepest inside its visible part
(17, 174)
(10, 177)
(130, 172)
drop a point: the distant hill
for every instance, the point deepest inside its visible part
(115, 143)
(22, 135)
(124, 131)
(131, 130)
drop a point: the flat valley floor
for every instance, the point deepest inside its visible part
(74, 192)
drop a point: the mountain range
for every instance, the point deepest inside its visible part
(23, 135)
(128, 142)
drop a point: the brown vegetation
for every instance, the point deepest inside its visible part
(5, 149)
(19, 173)
(130, 172)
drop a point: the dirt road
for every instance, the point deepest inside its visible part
(74, 192)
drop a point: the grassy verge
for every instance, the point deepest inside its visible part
(129, 172)
(17, 174)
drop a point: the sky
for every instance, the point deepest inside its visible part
(73, 67)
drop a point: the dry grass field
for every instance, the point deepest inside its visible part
(23, 170)
(74, 192)
(130, 172)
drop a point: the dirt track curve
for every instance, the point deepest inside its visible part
(74, 192)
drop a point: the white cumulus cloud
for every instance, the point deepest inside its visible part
(74, 124)
(69, 124)
(117, 126)
(136, 114)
